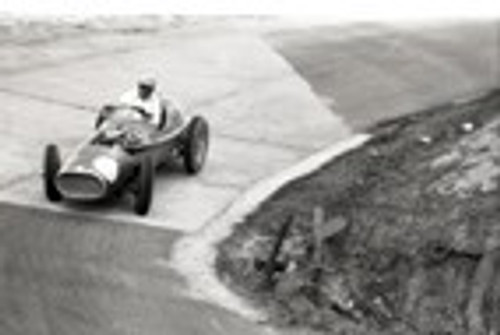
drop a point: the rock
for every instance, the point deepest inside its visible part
(467, 127)
(425, 139)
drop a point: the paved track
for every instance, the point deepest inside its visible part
(62, 274)
(376, 71)
(263, 117)
(80, 270)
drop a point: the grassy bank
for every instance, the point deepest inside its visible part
(399, 236)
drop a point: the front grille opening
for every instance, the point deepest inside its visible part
(84, 186)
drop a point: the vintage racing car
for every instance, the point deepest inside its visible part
(123, 154)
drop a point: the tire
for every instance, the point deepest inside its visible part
(196, 145)
(144, 193)
(51, 166)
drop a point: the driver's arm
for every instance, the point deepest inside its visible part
(103, 114)
(142, 111)
(129, 99)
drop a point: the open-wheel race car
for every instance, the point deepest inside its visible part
(122, 155)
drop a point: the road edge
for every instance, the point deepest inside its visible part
(194, 255)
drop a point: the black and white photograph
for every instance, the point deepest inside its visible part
(263, 168)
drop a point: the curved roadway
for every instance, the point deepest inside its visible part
(101, 270)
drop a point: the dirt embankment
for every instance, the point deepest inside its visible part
(398, 237)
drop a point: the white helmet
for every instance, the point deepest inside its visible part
(147, 82)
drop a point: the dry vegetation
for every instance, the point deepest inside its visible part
(400, 236)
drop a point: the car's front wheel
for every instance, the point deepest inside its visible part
(196, 145)
(144, 192)
(51, 166)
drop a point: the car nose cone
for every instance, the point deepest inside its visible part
(81, 185)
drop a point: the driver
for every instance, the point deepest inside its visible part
(148, 99)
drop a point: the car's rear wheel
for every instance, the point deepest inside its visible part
(51, 166)
(144, 192)
(196, 145)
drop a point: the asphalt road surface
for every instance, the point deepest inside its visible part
(263, 115)
(62, 274)
(69, 269)
(102, 270)
(373, 72)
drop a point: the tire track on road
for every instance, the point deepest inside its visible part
(46, 99)
(215, 100)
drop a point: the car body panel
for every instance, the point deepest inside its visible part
(108, 160)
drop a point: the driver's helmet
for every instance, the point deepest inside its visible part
(147, 83)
